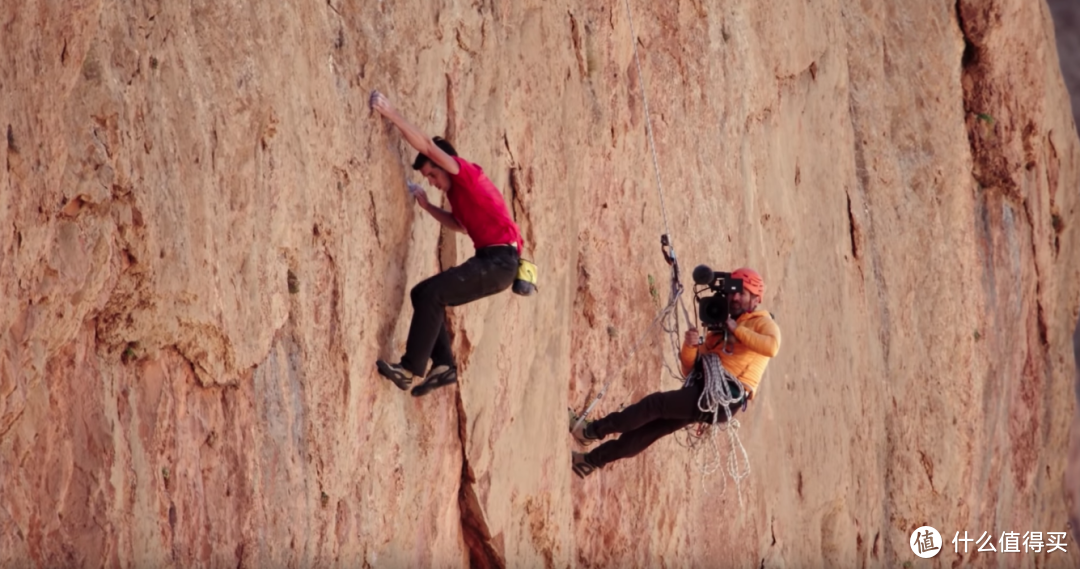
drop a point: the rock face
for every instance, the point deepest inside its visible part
(1067, 33)
(206, 242)
(1066, 25)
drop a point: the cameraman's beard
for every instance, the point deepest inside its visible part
(735, 309)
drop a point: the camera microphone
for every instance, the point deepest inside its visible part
(703, 275)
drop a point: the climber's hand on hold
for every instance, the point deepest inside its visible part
(418, 192)
(380, 104)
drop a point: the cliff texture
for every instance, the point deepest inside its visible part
(206, 243)
(1067, 33)
(1066, 17)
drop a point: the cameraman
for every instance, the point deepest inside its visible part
(756, 340)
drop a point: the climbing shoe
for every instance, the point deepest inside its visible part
(582, 466)
(439, 376)
(395, 373)
(580, 432)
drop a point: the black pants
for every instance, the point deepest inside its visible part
(492, 270)
(644, 422)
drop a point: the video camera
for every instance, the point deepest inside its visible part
(714, 310)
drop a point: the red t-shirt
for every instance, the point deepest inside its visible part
(479, 208)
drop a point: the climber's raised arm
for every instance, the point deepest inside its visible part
(413, 135)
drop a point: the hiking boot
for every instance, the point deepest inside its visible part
(581, 431)
(439, 376)
(581, 464)
(395, 373)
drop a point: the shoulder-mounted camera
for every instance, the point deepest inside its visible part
(711, 292)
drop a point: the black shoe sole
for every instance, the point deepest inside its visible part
(432, 383)
(393, 375)
(583, 469)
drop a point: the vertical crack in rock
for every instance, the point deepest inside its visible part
(447, 246)
(474, 528)
(11, 148)
(515, 182)
(579, 53)
(852, 230)
(867, 231)
(506, 144)
(515, 198)
(517, 190)
(518, 209)
(970, 54)
(373, 218)
(986, 136)
(1039, 312)
(451, 112)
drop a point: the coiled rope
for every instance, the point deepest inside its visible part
(720, 392)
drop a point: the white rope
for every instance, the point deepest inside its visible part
(671, 327)
(718, 392)
(721, 390)
(648, 120)
(671, 321)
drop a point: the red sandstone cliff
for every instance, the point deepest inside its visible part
(205, 243)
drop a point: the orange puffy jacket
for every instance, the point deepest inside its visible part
(757, 339)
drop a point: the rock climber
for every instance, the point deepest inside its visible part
(754, 339)
(477, 209)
